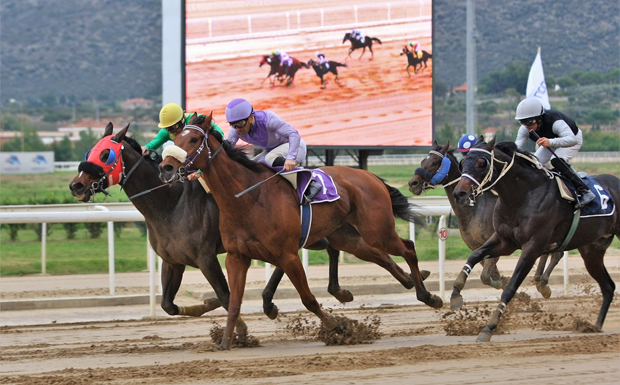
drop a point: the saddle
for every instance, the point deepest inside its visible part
(602, 205)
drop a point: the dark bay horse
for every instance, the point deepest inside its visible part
(475, 221)
(531, 216)
(264, 223)
(280, 72)
(196, 243)
(413, 61)
(321, 70)
(356, 44)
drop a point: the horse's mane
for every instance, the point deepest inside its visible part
(510, 148)
(233, 153)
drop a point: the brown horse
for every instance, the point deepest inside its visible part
(531, 216)
(475, 221)
(264, 224)
(280, 72)
(197, 243)
(357, 44)
(413, 61)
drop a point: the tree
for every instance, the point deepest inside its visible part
(87, 141)
(63, 150)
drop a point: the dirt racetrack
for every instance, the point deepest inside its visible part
(542, 341)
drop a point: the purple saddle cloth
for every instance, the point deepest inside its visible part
(328, 193)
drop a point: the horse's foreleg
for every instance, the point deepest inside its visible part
(491, 249)
(524, 265)
(171, 277)
(372, 54)
(269, 308)
(294, 270)
(490, 275)
(555, 259)
(237, 266)
(363, 52)
(540, 285)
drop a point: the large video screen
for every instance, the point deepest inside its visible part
(374, 102)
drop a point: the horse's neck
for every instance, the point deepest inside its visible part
(518, 183)
(226, 177)
(464, 214)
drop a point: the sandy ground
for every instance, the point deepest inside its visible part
(545, 341)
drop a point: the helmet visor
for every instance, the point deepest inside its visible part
(528, 121)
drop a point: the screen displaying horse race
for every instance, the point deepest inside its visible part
(352, 74)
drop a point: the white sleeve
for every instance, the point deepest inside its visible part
(522, 137)
(565, 138)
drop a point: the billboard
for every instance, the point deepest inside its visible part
(26, 162)
(373, 104)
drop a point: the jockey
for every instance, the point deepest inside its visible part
(466, 142)
(416, 48)
(285, 60)
(322, 61)
(356, 34)
(172, 119)
(553, 130)
(282, 144)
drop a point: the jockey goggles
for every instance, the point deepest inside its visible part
(528, 121)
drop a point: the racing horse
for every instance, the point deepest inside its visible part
(531, 216)
(321, 70)
(279, 72)
(196, 242)
(356, 44)
(475, 221)
(264, 223)
(413, 61)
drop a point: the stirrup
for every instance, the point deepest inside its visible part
(584, 199)
(313, 188)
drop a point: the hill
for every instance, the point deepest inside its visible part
(111, 49)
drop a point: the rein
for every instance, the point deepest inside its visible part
(477, 191)
(202, 146)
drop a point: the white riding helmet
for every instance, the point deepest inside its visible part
(529, 108)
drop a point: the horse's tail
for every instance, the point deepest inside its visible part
(336, 64)
(402, 209)
(376, 39)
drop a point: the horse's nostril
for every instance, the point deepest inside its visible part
(167, 167)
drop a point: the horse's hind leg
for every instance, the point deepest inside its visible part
(592, 255)
(490, 275)
(333, 287)
(363, 52)
(542, 278)
(171, 277)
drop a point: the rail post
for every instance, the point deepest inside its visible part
(110, 251)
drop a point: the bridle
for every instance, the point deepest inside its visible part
(189, 160)
(485, 184)
(426, 185)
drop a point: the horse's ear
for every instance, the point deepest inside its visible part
(435, 144)
(491, 144)
(207, 123)
(445, 148)
(479, 140)
(121, 134)
(108, 129)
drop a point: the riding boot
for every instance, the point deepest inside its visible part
(584, 194)
(279, 161)
(313, 188)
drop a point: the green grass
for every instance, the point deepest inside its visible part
(85, 255)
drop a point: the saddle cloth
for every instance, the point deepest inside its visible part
(602, 205)
(329, 192)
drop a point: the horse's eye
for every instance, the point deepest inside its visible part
(104, 155)
(481, 164)
(194, 140)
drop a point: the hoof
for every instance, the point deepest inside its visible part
(330, 322)
(544, 290)
(436, 302)
(496, 284)
(273, 313)
(484, 336)
(343, 296)
(211, 304)
(456, 302)
(424, 274)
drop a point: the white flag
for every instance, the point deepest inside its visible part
(536, 86)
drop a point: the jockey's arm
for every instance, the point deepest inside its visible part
(565, 138)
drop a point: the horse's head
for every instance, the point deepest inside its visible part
(193, 141)
(428, 168)
(102, 167)
(477, 170)
(266, 59)
(404, 51)
(347, 36)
